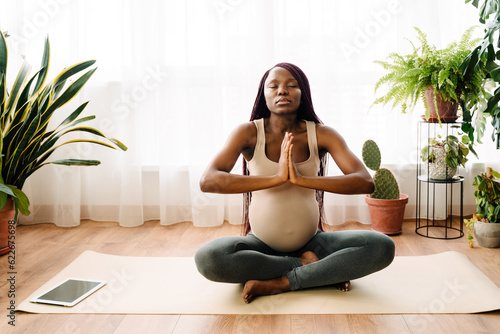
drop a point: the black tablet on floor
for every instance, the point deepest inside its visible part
(69, 292)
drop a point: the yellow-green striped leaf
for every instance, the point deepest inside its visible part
(3, 54)
(70, 92)
(76, 162)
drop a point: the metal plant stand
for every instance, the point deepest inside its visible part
(429, 226)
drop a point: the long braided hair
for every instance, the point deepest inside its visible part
(305, 112)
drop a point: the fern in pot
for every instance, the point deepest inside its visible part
(28, 139)
(434, 77)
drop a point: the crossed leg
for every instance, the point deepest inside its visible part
(330, 258)
(255, 288)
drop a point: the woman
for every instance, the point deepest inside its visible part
(285, 146)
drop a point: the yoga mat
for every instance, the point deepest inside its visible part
(441, 283)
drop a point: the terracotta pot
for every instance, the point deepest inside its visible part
(387, 214)
(447, 110)
(6, 219)
(487, 234)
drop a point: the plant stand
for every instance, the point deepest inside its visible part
(429, 226)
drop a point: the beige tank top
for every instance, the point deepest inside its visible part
(284, 217)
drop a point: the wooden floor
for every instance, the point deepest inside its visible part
(43, 250)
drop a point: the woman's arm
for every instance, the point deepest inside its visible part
(217, 177)
(356, 179)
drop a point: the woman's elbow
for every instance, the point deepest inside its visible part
(369, 186)
(205, 184)
(210, 183)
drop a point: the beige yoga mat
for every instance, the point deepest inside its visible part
(440, 283)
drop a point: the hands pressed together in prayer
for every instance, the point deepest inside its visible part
(287, 169)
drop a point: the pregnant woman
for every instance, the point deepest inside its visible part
(285, 147)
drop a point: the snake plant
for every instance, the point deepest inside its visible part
(27, 137)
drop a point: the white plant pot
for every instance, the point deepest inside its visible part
(487, 234)
(438, 169)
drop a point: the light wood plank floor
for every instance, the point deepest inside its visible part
(43, 250)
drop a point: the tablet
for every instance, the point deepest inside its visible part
(69, 292)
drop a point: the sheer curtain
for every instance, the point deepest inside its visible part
(175, 77)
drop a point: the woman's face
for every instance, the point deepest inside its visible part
(282, 92)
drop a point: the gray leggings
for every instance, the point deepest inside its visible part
(343, 256)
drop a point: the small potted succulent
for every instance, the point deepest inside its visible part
(444, 155)
(486, 221)
(386, 204)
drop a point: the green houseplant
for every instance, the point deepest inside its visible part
(386, 204)
(485, 57)
(486, 221)
(444, 155)
(26, 140)
(432, 76)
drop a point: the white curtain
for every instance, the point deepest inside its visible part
(176, 76)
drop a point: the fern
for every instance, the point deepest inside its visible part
(408, 76)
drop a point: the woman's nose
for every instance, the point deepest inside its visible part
(282, 90)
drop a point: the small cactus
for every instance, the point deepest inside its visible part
(386, 186)
(371, 155)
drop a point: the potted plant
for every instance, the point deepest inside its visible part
(484, 57)
(444, 155)
(486, 221)
(386, 204)
(27, 139)
(432, 76)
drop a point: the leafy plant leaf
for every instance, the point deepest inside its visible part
(26, 142)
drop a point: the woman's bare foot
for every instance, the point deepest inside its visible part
(308, 257)
(343, 286)
(254, 288)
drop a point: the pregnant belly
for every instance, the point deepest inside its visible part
(285, 226)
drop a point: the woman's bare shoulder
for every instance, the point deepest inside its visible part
(245, 130)
(242, 139)
(323, 130)
(329, 139)
(243, 136)
(247, 127)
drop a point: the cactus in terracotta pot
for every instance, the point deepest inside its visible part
(386, 186)
(386, 204)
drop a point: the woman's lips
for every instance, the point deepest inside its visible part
(283, 101)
